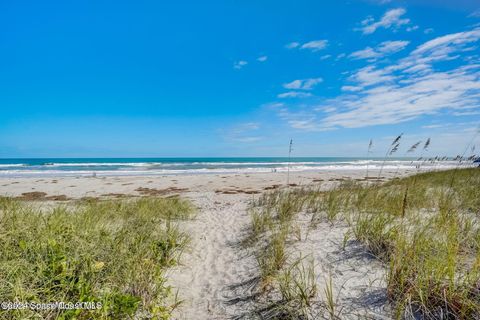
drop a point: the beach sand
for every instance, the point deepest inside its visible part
(216, 275)
(56, 188)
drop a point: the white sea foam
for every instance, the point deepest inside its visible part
(145, 168)
(100, 164)
(12, 165)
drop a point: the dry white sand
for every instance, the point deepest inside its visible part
(216, 261)
(216, 277)
(78, 187)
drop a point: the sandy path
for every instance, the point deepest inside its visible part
(216, 261)
(212, 270)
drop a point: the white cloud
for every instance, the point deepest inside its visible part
(247, 139)
(304, 84)
(325, 57)
(428, 30)
(466, 113)
(421, 67)
(412, 28)
(367, 53)
(403, 90)
(368, 76)
(262, 58)
(448, 43)
(315, 45)
(302, 124)
(240, 64)
(294, 94)
(395, 103)
(385, 48)
(328, 109)
(388, 47)
(292, 45)
(391, 19)
(432, 126)
(351, 88)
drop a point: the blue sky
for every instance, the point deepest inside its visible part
(236, 78)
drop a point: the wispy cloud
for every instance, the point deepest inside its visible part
(466, 113)
(244, 132)
(247, 139)
(262, 58)
(475, 14)
(239, 64)
(394, 103)
(314, 46)
(351, 88)
(292, 45)
(300, 84)
(369, 76)
(391, 19)
(440, 47)
(412, 28)
(294, 94)
(403, 90)
(432, 126)
(297, 120)
(273, 105)
(303, 84)
(384, 49)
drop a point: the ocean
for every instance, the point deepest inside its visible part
(169, 166)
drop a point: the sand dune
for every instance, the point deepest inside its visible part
(217, 275)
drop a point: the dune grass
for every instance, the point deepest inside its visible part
(298, 288)
(425, 228)
(290, 277)
(111, 253)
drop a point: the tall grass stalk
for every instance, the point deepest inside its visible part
(391, 150)
(369, 150)
(331, 300)
(289, 157)
(298, 287)
(477, 131)
(409, 151)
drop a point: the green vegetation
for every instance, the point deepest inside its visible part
(114, 253)
(273, 226)
(298, 287)
(425, 228)
(331, 303)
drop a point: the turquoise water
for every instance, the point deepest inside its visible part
(151, 166)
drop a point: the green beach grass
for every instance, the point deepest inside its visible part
(272, 227)
(425, 228)
(110, 253)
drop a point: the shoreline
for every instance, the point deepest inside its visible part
(73, 168)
